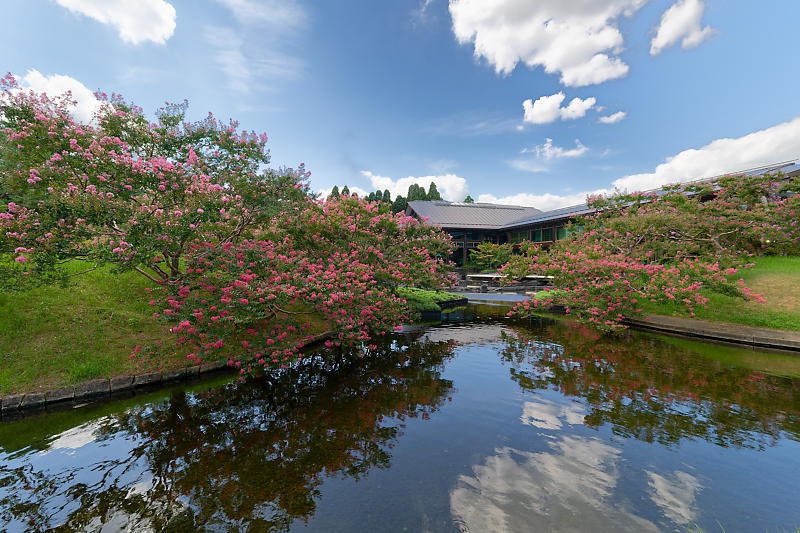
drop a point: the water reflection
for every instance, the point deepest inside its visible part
(240, 457)
(588, 434)
(570, 488)
(651, 390)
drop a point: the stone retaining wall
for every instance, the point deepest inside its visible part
(98, 389)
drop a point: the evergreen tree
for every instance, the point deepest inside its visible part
(415, 192)
(399, 205)
(387, 197)
(334, 192)
(433, 192)
(469, 200)
(345, 191)
(371, 197)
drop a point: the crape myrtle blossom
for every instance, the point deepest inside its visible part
(671, 246)
(239, 255)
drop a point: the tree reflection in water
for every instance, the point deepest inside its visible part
(241, 457)
(652, 391)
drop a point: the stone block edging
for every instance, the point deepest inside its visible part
(757, 338)
(102, 388)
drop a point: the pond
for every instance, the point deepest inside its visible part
(477, 424)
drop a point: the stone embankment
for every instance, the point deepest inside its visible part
(99, 389)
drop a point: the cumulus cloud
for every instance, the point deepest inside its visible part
(546, 414)
(549, 151)
(765, 147)
(675, 494)
(548, 109)
(613, 118)
(86, 104)
(451, 187)
(577, 39)
(512, 489)
(681, 22)
(722, 156)
(545, 201)
(136, 22)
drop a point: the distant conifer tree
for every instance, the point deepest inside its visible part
(469, 200)
(387, 197)
(345, 191)
(433, 192)
(334, 192)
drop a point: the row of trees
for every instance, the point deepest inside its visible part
(669, 246)
(399, 204)
(240, 255)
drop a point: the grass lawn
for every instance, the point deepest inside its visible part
(52, 336)
(777, 278)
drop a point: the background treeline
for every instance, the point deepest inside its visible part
(415, 192)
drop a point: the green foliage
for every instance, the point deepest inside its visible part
(334, 192)
(488, 256)
(469, 200)
(424, 300)
(399, 205)
(433, 192)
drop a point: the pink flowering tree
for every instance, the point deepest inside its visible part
(123, 190)
(243, 258)
(669, 246)
(340, 260)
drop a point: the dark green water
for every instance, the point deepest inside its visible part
(481, 424)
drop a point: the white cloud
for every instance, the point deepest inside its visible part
(681, 22)
(56, 85)
(677, 497)
(253, 54)
(613, 118)
(472, 125)
(772, 145)
(722, 156)
(526, 165)
(548, 109)
(420, 14)
(568, 487)
(546, 414)
(451, 187)
(136, 22)
(545, 201)
(548, 151)
(232, 56)
(578, 39)
(283, 15)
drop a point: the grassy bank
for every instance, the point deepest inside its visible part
(777, 278)
(52, 336)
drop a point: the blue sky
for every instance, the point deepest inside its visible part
(468, 93)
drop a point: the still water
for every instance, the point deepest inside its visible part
(479, 424)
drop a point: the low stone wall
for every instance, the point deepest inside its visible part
(99, 389)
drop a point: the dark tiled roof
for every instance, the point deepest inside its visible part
(478, 216)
